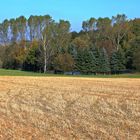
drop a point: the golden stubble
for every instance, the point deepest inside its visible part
(41, 108)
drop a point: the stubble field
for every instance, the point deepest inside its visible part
(44, 108)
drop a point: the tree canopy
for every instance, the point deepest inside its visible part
(103, 45)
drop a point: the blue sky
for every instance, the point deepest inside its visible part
(73, 10)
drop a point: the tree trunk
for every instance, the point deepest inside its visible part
(118, 42)
(45, 53)
(45, 62)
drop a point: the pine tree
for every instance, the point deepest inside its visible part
(86, 62)
(96, 54)
(104, 61)
(121, 58)
(114, 62)
(92, 61)
(136, 59)
(118, 61)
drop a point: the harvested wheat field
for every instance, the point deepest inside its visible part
(41, 108)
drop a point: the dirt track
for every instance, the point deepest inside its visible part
(34, 108)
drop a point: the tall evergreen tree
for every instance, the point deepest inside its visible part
(104, 61)
(86, 62)
(136, 59)
(118, 61)
(96, 54)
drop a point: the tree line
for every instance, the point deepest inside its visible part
(40, 44)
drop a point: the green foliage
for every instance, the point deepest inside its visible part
(104, 62)
(134, 44)
(86, 62)
(136, 27)
(33, 59)
(96, 53)
(13, 57)
(64, 62)
(137, 59)
(118, 61)
(40, 44)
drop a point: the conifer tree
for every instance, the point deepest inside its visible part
(104, 61)
(118, 61)
(86, 62)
